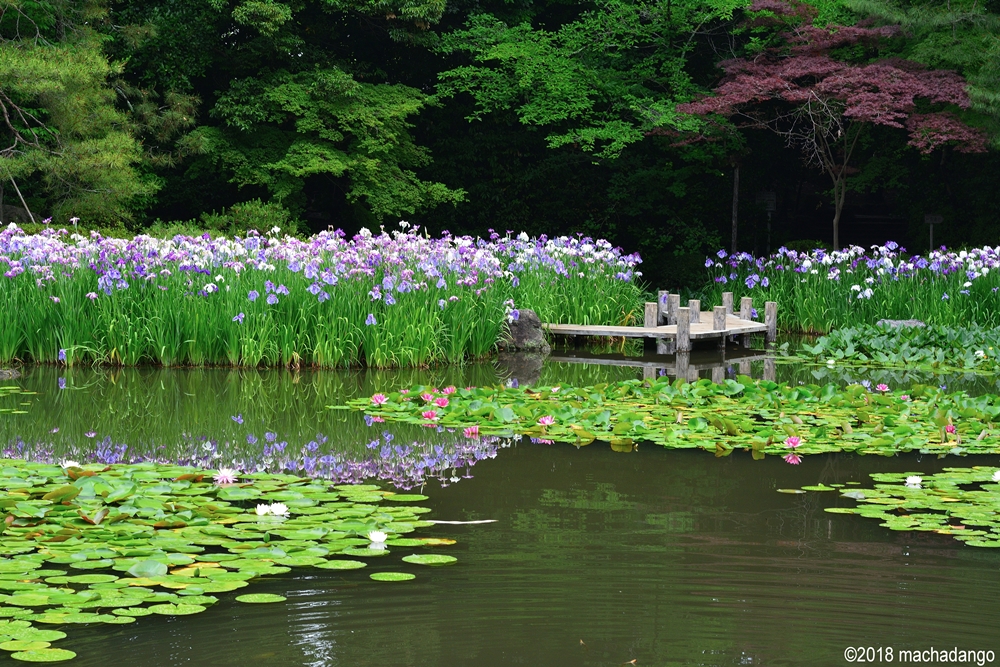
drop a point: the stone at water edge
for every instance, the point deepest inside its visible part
(525, 367)
(9, 374)
(524, 334)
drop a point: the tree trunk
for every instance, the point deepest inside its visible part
(736, 203)
(839, 192)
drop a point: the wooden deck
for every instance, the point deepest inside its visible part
(699, 330)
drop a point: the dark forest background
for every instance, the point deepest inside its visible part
(548, 116)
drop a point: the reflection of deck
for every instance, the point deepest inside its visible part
(681, 364)
(669, 365)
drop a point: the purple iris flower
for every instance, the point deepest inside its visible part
(272, 299)
(371, 320)
(252, 296)
(238, 318)
(62, 355)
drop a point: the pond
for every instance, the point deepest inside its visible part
(595, 558)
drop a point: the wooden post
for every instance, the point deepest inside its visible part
(769, 369)
(718, 318)
(681, 367)
(684, 329)
(746, 313)
(661, 306)
(718, 374)
(649, 373)
(727, 301)
(719, 323)
(673, 303)
(694, 305)
(744, 367)
(771, 322)
(649, 319)
(665, 346)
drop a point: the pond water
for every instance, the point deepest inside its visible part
(595, 558)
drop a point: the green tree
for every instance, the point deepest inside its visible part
(66, 149)
(292, 107)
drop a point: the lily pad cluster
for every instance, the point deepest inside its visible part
(934, 348)
(109, 544)
(757, 415)
(961, 502)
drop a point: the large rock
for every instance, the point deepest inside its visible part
(896, 324)
(524, 335)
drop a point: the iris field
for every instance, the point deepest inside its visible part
(381, 300)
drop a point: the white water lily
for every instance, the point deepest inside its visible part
(377, 536)
(913, 481)
(69, 464)
(996, 476)
(263, 509)
(279, 509)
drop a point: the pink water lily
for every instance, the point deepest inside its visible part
(441, 402)
(547, 420)
(793, 441)
(950, 428)
(379, 399)
(226, 476)
(429, 414)
(882, 387)
(904, 397)
(447, 391)
(427, 397)
(472, 431)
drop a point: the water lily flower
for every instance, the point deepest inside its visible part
(263, 509)
(913, 481)
(950, 428)
(441, 402)
(904, 397)
(882, 387)
(379, 399)
(547, 420)
(996, 476)
(429, 414)
(447, 391)
(377, 536)
(279, 509)
(69, 463)
(427, 398)
(472, 431)
(226, 476)
(793, 441)
(793, 459)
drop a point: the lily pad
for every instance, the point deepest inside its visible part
(23, 645)
(44, 655)
(392, 576)
(260, 598)
(430, 559)
(176, 609)
(341, 565)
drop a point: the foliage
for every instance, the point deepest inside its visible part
(289, 106)
(821, 104)
(818, 291)
(961, 502)
(760, 416)
(382, 300)
(107, 544)
(601, 82)
(250, 215)
(66, 149)
(970, 348)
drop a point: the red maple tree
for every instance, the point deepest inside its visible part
(820, 105)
